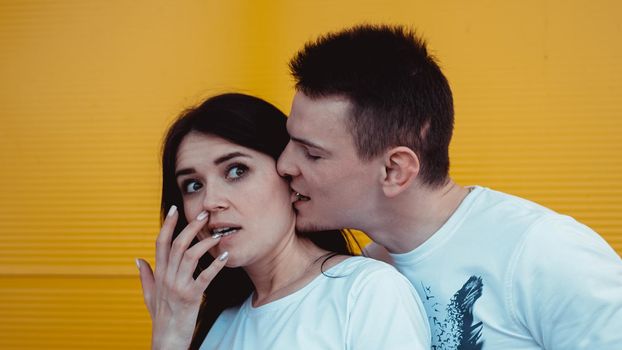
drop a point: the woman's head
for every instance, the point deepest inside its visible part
(253, 131)
(249, 203)
(240, 119)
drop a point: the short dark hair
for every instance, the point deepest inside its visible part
(250, 122)
(398, 93)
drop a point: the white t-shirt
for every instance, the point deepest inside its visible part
(506, 273)
(359, 303)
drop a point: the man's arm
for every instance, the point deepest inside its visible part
(566, 288)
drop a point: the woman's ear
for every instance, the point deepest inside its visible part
(401, 167)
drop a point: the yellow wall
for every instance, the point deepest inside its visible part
(88, 87)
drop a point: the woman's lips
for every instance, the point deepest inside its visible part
(224, 231)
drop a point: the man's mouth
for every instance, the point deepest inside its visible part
(224, 231)
(301, 197)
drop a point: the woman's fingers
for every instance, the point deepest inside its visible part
(163, 242)
(191, 258)
(206, 277)
(148, 283)
(181, 244)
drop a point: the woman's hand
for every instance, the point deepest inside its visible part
(172, 295)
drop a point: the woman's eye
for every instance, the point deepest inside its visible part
(192, 186)
(236, 171)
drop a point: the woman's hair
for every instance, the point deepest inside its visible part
(250, 122)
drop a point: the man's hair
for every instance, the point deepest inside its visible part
(399, 95)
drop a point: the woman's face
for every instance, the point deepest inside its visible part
(246, 198)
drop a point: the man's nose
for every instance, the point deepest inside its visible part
(285, 165)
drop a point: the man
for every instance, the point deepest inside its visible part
(370, 127)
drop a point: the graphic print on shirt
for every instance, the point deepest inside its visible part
(455, 330)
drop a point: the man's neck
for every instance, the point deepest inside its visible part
(405, 222)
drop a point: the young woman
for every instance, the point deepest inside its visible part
(224, 204)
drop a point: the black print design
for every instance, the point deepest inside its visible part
(456, 330)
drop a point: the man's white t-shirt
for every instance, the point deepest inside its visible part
(506, 273)
(359, 304)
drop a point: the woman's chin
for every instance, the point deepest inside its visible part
(240, 259)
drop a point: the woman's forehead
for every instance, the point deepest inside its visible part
(208, 149)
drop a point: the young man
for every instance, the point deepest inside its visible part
(370, 127)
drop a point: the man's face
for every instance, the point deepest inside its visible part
(321, 159)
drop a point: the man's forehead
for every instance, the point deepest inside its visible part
(318, 115)
(334, 103)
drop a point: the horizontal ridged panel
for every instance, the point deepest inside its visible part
(72, 313)
(88, 89)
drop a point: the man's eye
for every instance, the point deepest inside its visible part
(192, 186)
(311, 156)
(236, 171)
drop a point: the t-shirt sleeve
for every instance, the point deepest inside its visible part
(386, 313)
(567, 287)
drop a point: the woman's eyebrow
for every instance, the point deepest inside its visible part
(184, 171)
(217, 161)
(229, 156)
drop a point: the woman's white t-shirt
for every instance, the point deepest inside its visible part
(359, 303)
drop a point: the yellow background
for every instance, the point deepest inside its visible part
(87, 89)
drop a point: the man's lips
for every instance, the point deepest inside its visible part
(299, 197)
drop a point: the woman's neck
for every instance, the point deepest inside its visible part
(290, 268)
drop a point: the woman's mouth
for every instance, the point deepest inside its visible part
(224, 231)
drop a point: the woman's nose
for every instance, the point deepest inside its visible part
(214, 200)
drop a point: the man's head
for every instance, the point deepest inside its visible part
(369, 97)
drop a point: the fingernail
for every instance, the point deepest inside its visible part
(223, 256)
(172, 210)
(216, 235)
(138, 264)
(202, 216)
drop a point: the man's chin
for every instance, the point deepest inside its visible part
(306, 224)
(303, 226)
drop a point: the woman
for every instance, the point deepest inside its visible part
(221, 194)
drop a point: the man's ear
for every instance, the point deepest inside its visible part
(401, 167)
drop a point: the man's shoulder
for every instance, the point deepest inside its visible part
(495, 210)
(491, 199)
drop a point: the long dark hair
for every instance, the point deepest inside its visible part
(250, 122)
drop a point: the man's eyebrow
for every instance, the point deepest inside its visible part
(305, 142)
(219, 160)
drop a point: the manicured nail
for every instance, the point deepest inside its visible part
(138, 264)
(172, 210)
(202, 216)
(223, 256)
(216, 235)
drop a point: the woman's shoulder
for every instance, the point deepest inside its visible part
(360, 262)
(360, 267)
(368, 281)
